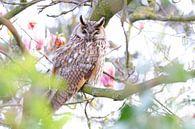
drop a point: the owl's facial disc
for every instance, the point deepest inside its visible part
(91, 30)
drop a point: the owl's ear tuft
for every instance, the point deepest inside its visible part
(100, 22)
(82, 21)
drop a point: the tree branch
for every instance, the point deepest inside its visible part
(147, 13)
(12, 29)
(8, 24)
(131, 89)
(71, 10)
(76, 3)
(20, 8)
(107, 9)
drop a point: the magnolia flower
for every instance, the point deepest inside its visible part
(54, 43)
(107, 78)
(141, 25)
(37, 37)
(3, 11)
(39, 44)
(31, 25)
(34, 35)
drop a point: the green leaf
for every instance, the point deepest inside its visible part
(176, 71)
(59, 123)
(127, 113)
(165, 3)
(23, 72)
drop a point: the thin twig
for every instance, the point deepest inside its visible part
(41, 8)
(65, 12)
(101, 117)
(43, 55)
(20, 8)
(79, 102)
(119, 68)
(127, 45)
(113, 78)
(13, 3)
(116, 48)
(10, 105)
(27, 34)
(85, 111)
(5, 54)
(172, 113)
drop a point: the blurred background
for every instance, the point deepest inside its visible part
(147, 39)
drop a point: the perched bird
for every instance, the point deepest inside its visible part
(80, 60)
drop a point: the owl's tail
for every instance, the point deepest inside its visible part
(60, 97)
(76, 79)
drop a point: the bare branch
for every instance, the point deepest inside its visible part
(126, 45)
(41, 8)
(85, 111)
(79, 102)
(172, 113)
(63, 13)
(77, 4)
(101, 117)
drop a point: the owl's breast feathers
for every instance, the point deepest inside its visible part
(77, 64)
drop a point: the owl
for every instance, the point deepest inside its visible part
(80, 60)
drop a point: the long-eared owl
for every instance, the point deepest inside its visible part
(80, 60)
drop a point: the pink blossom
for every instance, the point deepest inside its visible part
(59, 42)
(141, 25)
(54, 43)
(39, 45)
(3, 11)
(31, 25)
(34, 36)
(27, 43)
(109, 73)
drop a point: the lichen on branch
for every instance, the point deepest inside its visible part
(107, 9)
(131, 89)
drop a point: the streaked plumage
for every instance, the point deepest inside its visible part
(80, 60)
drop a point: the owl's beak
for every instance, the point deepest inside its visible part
(90, 38)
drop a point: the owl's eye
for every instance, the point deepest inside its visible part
(84, 31)
(97, 32)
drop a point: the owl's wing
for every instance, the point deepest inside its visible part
(75, 66)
